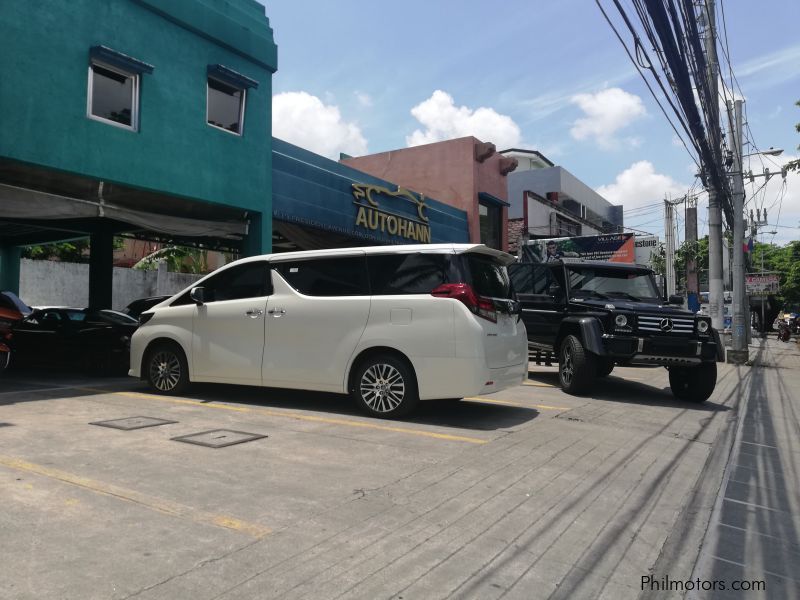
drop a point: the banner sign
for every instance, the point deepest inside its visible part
(612, 247)
(646, 246)
(762, 283)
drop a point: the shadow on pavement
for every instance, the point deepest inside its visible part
(616, 388)
(442, 413)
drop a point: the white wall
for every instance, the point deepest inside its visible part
(51, 283)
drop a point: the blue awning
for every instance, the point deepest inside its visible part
(231, 77)
(119, 60)
(487, 198)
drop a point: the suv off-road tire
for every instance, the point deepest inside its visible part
(604, 367)
(166, 369)
(695, 384)
(384, 386)
(577, 368)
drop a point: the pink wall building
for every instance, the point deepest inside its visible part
(465, 173)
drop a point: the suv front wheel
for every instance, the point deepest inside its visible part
(694, 384)
(576, 367)
(385, 387)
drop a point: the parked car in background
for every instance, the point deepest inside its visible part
(137, 307)
(95, 340)
(390, 325)
(12, 309)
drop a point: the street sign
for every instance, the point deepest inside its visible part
(762, 283)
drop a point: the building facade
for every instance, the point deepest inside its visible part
(150, 118)
(464, 173)
(548, 201)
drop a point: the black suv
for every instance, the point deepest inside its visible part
(594, 315)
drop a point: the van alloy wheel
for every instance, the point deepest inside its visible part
(382, 388)
(167, 372)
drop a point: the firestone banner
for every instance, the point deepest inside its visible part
(612, 247)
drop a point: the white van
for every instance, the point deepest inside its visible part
(390, 325)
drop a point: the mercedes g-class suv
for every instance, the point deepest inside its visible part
(593, 315)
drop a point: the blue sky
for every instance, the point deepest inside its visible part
(362, 77)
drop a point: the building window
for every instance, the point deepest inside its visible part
(225, 106)
(113, 96)
(490, 217)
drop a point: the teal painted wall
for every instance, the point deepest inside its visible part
(44, 59)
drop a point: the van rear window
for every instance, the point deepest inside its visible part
(416, 273)
(489, 276)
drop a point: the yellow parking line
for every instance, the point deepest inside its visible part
(159, 505)
(302, 417)
(549, 385)
(493, 401)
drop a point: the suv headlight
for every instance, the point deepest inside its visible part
(621, 321)
(703, 326)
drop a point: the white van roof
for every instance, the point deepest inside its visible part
(395, 249)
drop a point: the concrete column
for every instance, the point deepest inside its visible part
(9, 268)
(259, 236)
(101, 269)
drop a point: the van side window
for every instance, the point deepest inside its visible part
(249, 280)
(345, 276)
(416, 273)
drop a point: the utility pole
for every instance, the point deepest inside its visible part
(669, 242)
(692, 283)
(716, 300)
(740, 353)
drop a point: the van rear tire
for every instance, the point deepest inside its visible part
(384, 386)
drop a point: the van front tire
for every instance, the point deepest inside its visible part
(384, 386)
(166, 369)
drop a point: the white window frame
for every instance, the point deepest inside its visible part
(240, 133)
(134, 126)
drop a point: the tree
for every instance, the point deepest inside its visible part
(180, 259)
(794, 165)
(76, 251)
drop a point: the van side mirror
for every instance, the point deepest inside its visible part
(198, 295)
(676, 300)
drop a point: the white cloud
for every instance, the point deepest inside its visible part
(304, 120)
(443, 120)
(607, 112)
(773, 68)
(640, 185)
(364, 99)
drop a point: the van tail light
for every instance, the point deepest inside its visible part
(463, 292)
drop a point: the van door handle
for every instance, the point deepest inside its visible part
(254, 313)
(276, 312)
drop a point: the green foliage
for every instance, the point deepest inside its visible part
(795, 164)
(178, 258)
(785, 260)
(73, 251)
(686, 252)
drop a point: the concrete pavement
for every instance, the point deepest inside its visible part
(528, 493)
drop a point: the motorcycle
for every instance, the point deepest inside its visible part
(784, 330)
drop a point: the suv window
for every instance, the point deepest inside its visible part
(538, 280)
(416, 273)
(346, 276)
(250, 280)
(489, 276)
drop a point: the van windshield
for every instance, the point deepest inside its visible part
(489, 276)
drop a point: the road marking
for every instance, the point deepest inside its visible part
(548, 385)
(507, 402)
(160, 505)
(302, 417)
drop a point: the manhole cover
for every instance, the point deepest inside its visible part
(219, 438)
(130, 423)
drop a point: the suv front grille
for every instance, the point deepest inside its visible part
(654, 324)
